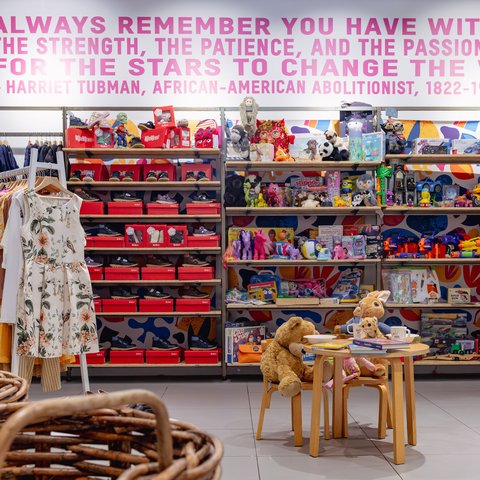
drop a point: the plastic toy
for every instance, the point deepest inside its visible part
(339, 252)
(355, 126)
(425, 200)
(259, 240)
(475, 194)
(389, 198)
(323, 253)
(273, 132)
(346, 185)
(261, 201)
(450, 195)
(246, 239)
(246, 188)
(472, 245)
(434, 187)
(463, 201)
(308, 248)
(339, 202)
(399, 184)
(237, 249)
(120, 131)
(383, 174)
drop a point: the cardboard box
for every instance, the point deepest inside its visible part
(160, 167)
(164, 116)
(155, 235)
(195, 273)
(162, 208)
(203, 208)
(135, 235)
(206, 168)
(123, 168)
(103, 137)
(179, 137)
(109, 242)
(193, 304)
(203, 241)
(459, 295)
(154, 138)
(163, 356)
(465, 146)
(158, 273)
(113, 305)
(126, 357)
(90, 241)
(125, 208)
(176, 236)
(431, 146)
(92, 208)
(156, 305)
(96, 273)
(201, 356)
(97, 358)
(97, 305)
(303, 301)
(122, 273)
(79, 138)
(93, 170)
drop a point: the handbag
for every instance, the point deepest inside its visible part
(249, 353)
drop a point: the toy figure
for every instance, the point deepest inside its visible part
(425, 200)
(450, 195)
(332, 137)
(394, 139)
(355, 126)
(365, 185)
(339, 252)
(237, 249)
(248, 115)
(399, 184)
(346, 185)
(339, 202)
(239, 144)
(475, 194)
(310, 202)
(282, 156)
(259, 240)
(325, 200)
(246, 188)
(246, 239)
(274, 196)
(120, 130)
(293, 253)
(323, 253)
(311, 149)
(383, 174)
(261, 201)
(389, 198)
(328, 152)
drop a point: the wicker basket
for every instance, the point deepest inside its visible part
(95, 437)
(12, 388)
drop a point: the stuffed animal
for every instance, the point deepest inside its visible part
(332, 137)
(248, 115)
(394, 139)
(239, 141)
(328, 152)
(281, 361)
(259, 240)
(369, 328)
(366, 187)
(234, 193)
(282, 156)
(310, 202)
(370, 306)
(273, 132)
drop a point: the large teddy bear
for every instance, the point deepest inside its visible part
(282, 360)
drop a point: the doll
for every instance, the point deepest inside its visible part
(248, 115)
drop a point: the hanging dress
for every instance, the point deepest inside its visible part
(55, 313)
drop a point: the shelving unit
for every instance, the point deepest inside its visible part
(443, 159)
(159, 251)
(211, 313)
(151, 218)
(173, 283)
(282, 211)
(299, 166)
(183, 186)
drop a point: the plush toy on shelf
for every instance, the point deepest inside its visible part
(282, 156)
(328, 152)
(259, 240)
(366, 187)
(248, 115)
(332, 137)
(310, 202)
(261, 203)
(339, 251)
(282, 359)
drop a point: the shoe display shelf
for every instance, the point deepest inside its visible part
(215, 284)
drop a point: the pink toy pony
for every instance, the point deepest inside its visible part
(246, 239)
(339, 252)
(268, 246)
(259, 245)
(293, 253)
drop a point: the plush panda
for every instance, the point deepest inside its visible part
(332, 137)
(328, 152)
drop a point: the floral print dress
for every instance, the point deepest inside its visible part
(55, 313)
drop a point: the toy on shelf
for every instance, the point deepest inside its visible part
(120, 131)
(323, 253)
(310, 202)
(248, 115)
(434, 188)
(383, 174)
(355, 126)
(238, 144)
(389, 198)
(425, 200)
(450, 195)
(475, 194)
(339, 252)
(463, 201)
(399, 184)
(333, 138)
(328, 152)
(261, 203)
(246, 240)
(340, 202)
(365, 188)
(259, 240)
(395, 141)
(471, 245)
(410, 188)
(273, 132)
(282, 156)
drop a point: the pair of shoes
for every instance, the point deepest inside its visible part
(157, 176)
(121, 343)
(98, 118)
(199, 342)
(190, 261)
(155, 293)
(159, 343)
(122, 262)
(201, 197)
(146, 126)
(126, 197)
(135, 142)
(116, 177)
(158, 262)
(202, 231)
(76, 121)
(199, 177)
(102, 231)
(193, 292)
(86, 196)
(122, 293)
(165, 199)
(90, 262)
(76, 176)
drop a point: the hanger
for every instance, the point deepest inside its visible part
(51, 184)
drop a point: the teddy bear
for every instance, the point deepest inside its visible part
(370, 306)
(282, 359)
(369, 328)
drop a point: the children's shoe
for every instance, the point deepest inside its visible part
(96, 118)
(88, 176)
(76, 121)
(105, 231)
(165, 199)
(76, 176)
(90, 262)
(190, 261)
(126, 197)
(151, 176)
(193, 292)
(201, 177)
(135, 142)
(199, 343)
(115, 176)
(122, 293)
(146, 126)
(128, 177)
(158, 262)
(202, 231)
(119, 343)
(163, 344)
(122, 262)
(163, 177)
(201, 197)
(85, 196)
(190, 177)
(155, 293)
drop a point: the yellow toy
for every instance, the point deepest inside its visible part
(473, 245)
(339, 202)
(261, 201)
(425, 200)
(282, 156)
(369, 326)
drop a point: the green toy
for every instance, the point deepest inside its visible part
(383, 173)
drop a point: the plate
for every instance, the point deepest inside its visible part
(319, 338)
(411, 338)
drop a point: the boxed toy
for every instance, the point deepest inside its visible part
(373, 147)
(154, 138)
(431, 146)
(265, 292)
(164, 116)
(236, 336)
(442, 330)
(103, 137)
(465, 146)
(459, 295)
(275, 234)
(178, 137)
(329, 234)
(305, 147)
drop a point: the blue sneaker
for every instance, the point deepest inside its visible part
(163, 344)
(199, 343)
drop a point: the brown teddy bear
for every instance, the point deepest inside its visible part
(282, 360)
(369, 326)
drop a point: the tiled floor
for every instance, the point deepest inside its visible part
(448, 424)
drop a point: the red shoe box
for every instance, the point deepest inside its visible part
(127, 356)
(97, 304)
(103, 137)
(201, 356)
(178, 137)
(160, 167)
(135, 235)
(156, 305)
(122, 273)
(158, 273)
(96, 273)
(97, 358)
(90, 241)
(163, 356)
(176, 236)
(92, 208)
(79, 138)
(109, 242)
(196, 167)
(125, 208)
(154, 138)
(203, 241)
(155, 235)
(203, 208)
(113, 305)
(162, 208)
(195, 273)
(94, 170)
(123, 168)
(193, 304)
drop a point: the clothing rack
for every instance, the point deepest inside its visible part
(32, 170)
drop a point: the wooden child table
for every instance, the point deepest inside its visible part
(395, 360)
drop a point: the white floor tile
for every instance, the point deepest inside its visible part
(236, 443)
(214, 418)
(240, 468)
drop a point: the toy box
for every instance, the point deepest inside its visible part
(158, 273)
(236, 336)
(135, 235)
(167, 167)
(123, 168)
(203, 241)
(431, 146)
(207, 138)
(79, 138)
(365, 117)
(196, 168)
(154, 138)
(373, 147)
(92, 208)
(265, 291)
(96, 273)
(305, 147)
(442, 330)
(195, 273)
(201, 356)
(465, 146)
(203, 208)
(178, 137)
(164, 116)
(176, 236)
(459, 295)
(97, 358)
(103, 137)
(109, 242)
(115, 305)
(125, 208)
(155, 235)
(93, 171)
(156, 305)
(276, 234)
(159, 357)
(127, 357)
(122, 273)
(193, 304)
(162, 208)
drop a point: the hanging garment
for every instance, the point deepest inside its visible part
(55, 311)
